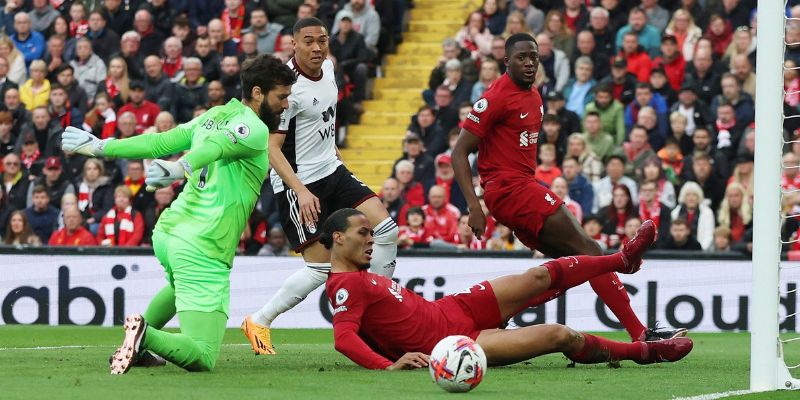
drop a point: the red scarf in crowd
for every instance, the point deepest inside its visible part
(233, 25)
(78, 29)
(650, 211)
(171, 68)
(111, 88)
(107, 234)
(28, 160)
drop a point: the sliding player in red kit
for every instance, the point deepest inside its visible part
(381, 325)
(504, 127)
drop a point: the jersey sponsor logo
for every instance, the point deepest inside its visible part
(328, 114)
(481, 105)
(211, 124)
(341, 296)
(549, 199)
(242, 130)
(473, 118)
(527, 139)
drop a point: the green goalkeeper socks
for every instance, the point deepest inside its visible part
(161, 308)
(197, 347)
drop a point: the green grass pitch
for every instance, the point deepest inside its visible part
(307, 367)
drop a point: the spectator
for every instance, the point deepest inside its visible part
(458, 86)
(636, 58)
(722, 239)
(490, 72)
(465, 238)
(415, 152)
(578, 92)
(445, 178)
(210, 58)
(61, 110)
(452, 50)
(791, 172)
(105, 42)
(614, 215)
(144, 110)
(53, 180)
(390, 196)
(150, 37)
(637, 149)
(18, 72)
(164, 122)
(122, 226)
(680, 237)
(95, 197)
(120, 19)
(78, 17)
(686, 33)
(553, 134)
(697, 10)
(19, 114)
(415, 232)
(533, 17)
(19, 232)
(615, 168)
(599, 20)
(693, 109)
(650, 207)
(741, 45)
(30, 156)
(42, 15)
(671, 62)
(441, 217)
(126, 127)
(233, 20)
(201, 12)
(645, 97)
(230, 78)
(163, 199)
(678, 134)
(561, 35)
(743, 173)
(117, 83)
(656, 132)
(41, 216)
(182, 30)
(191, 91)
(554, 61)
(547, 170)
(570, 122)
(622, 83)
(89, 68)
(141, 199)
(286, 51)
(424, 124)
(587, 47)
(559, 187)
(610, 111)
(249, 47)
(267, 33)
(216, 94)
(499, 53)
(7, 144)
(351, 54)
(475, 36)
(648, 36)
(503, 239)
(729, 130)
(216, 36)
(411, 191)
(5, 210)
(702, 76)
(576, 15)
(588, 163)
(157, 87)
(446, 110)
(580, 189)
(77, 97)
(30, 43)
(277, 245)
(101, 119)
(172, 63)
(494, 16)
(713, 187)
(366, 21)
(598, 142)
(283, 12)
(720, 33)
(593, 227)
(700, 218)
(5, 83)
(735, 212)
(742, 102)
(36, 90)
(651, 170)
(656, 15)
(162, 17)
(73, 233)
(15, 181)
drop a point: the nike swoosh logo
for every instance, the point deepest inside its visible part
(166, 173)
(522, 116)
(88, 140)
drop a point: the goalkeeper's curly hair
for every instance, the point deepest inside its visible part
(336, 222)
(266, 72)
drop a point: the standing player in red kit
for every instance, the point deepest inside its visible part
(381, 325)
(504, 127)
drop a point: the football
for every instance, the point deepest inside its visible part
(457, 364)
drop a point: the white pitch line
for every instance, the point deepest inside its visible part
(89, 347)
(715, 396)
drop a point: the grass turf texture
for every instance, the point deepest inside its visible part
(309, 367)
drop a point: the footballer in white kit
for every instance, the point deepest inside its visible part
(311, 182)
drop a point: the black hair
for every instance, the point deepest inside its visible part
(593, 114)
(415, 210)
(305, 23)
(604, 88)
(644, 85)
(266, 72)
(41, 189)
(518, 37)
(336, 222)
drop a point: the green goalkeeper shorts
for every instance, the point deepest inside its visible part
(201, 283)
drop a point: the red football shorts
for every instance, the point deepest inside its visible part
(471, 310)
(522, 205)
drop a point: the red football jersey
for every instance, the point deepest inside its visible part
(376, 320)
(507, 119)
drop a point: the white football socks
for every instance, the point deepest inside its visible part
(384, 252)
(292, 292)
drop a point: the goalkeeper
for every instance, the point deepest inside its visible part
(196, 237)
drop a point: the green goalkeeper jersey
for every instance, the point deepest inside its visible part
(228, 154)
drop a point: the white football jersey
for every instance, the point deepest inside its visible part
(310, 126)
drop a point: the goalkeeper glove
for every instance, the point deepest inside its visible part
(82, 142)
(162, 173)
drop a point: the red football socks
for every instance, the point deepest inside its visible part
(611, 290)
(599, 350)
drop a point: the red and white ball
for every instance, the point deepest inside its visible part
(457, 364)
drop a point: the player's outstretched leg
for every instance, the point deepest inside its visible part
(123, 359)
(294, 290)
(196, 347)
(160, 310)
(504, 347)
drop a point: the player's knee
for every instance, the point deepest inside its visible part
(565, 338)
(539, 275)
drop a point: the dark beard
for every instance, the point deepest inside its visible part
(270, 119)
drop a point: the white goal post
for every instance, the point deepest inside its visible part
(768, 370)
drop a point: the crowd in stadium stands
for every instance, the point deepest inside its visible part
(120, 68)
(649, 114)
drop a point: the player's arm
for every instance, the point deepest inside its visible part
(465, 144)
(347, 342)
(309, 204)
(142, 146)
